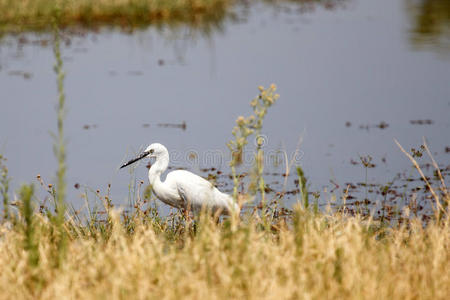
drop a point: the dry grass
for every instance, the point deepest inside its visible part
(316, 256)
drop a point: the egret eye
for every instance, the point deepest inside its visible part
(151, 151)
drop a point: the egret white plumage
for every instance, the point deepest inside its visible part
(183, 189)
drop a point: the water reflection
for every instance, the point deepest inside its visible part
(179, 33)
(204, 17)
(302, 6)
(430, 24)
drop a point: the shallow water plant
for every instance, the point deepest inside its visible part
(246, 127)
(303, 187)
(4, 187)
(60, 152)
(26, 193)
(441, 203)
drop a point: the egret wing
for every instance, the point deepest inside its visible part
(193, 189)
(197, 192)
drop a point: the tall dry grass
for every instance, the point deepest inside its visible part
(315, 257)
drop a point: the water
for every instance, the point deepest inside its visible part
(340, 72)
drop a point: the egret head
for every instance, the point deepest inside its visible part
(154, 150)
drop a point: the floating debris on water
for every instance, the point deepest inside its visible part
(353, 162)
(87, 126)
(25, 75)
(381, 125)
(169, 125)
(421, 122)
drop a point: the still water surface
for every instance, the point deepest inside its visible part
(352, 77)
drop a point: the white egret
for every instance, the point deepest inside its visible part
(183, 189)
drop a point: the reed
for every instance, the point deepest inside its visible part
(60, 152)
(4, 187)
(28, 223)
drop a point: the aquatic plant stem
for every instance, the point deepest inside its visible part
(59, 148)
(4, 187)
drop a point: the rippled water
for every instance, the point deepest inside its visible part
(352, 77)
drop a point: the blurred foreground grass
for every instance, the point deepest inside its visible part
(309, 256)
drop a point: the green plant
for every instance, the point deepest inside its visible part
(366, 161)
(29, 228)
(60, 151)
(303, 187)
(245, 127)
(4, 187)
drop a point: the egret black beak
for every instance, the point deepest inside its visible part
(144, 154)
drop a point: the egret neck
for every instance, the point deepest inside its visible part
(160, 165)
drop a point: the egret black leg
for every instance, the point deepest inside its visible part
(187, 209)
